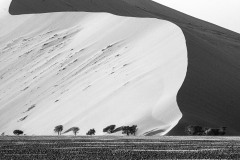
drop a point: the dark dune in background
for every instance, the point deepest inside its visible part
(210, 94)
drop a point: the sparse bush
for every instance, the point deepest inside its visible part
(58, 129)
(17, 132)
(91, 132)
(109, 129)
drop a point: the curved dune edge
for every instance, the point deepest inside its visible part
(89, 70)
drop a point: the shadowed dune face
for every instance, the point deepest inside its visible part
(210, 93)
(89, 70)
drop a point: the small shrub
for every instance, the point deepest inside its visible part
(109, 129)
(58, 129)
(91, 132)
(17, 132)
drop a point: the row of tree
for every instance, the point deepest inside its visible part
(199, 130)
(109, 129)
(190, 130)
(58, 129)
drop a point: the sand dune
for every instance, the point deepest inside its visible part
(210, 93)
(89, 70)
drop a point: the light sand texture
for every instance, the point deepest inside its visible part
(89, 70)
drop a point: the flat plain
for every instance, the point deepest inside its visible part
(113, 147)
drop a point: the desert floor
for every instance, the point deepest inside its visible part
(110, 147)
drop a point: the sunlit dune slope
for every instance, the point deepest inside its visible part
(89, 70)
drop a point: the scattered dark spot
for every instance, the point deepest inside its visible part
(112, 73)
(86, 88)
(117, 55)
(109, 46)
(33, 106)
(30, 108)
(22, 119)
(126, 84)
(125, 65)
(56, 101)
(25, 88)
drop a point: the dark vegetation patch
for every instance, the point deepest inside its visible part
(109, 129)
(205, 131)
(17, 132)
(91, 132)
(128, 130)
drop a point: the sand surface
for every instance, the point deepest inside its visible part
(89, 70)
